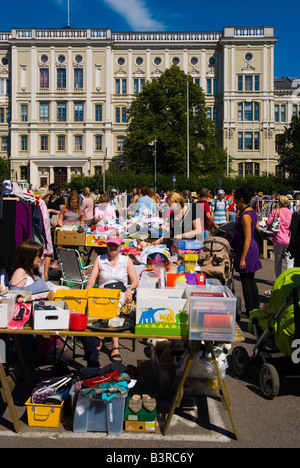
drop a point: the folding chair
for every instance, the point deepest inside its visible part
(73, 272)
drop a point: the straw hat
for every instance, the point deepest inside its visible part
(43, 192)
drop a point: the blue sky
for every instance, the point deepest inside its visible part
(165, 15)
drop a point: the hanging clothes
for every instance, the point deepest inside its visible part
(23, 223)
(7, 234)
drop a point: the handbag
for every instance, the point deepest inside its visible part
(275, 225)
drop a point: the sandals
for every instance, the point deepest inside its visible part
(116, 357)
(136, 403)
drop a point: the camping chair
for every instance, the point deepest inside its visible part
(74, 274)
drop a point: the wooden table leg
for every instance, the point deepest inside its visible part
(194, 349)
(8, 398)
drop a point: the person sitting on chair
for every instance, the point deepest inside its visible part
(111, 267)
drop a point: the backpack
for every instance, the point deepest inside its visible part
(215, 259)
(294, 245)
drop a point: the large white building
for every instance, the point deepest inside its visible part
(64, 95)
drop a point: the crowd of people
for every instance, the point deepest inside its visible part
(90, 207)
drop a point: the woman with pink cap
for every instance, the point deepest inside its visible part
(112, 267)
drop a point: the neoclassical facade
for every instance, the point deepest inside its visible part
(64, 95)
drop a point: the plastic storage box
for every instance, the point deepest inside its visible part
(103, 303)
(41, 415)
(75, 298)
(212, 314)
(99, 415)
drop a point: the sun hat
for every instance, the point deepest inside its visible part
(114, 240)
(194, 194)
(43, 191)
(220, 192)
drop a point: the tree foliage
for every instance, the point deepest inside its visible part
(4, 169)
(160, 112)
(289, 149)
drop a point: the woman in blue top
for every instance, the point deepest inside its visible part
(27, 273)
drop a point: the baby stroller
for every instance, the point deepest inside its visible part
(217, 259)
(275, 331)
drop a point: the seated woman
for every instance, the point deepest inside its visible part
(111, 267)
(104, 210)
(26, 274)
(70, 214)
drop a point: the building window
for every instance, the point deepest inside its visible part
(121, 86)
(138, 84)
(276, 113)
(120, 143)
(283, 113)
(44, 143)
(98, 109)
(248, 168)
(4, 144)
(98, 143)
(44, 112)
(279, 171)
(2, 114)
(23, 172)
(139, 61)
(78, 58)
(121, 61)
(295, 110)
(248, 82)
(24, 113)
(194, 61)
(157, 61)
(212, 86)
(240, 170)
(61, 112)
(248, 141)
(61, 143)
(78, 78)
(120, 115)
(61, 78)
(78, 143)
(256, 169)
(8, 115)
(98, 170)
(44, 78)
(78, 112)
(248, 111)
(24, 143)
(280, 113)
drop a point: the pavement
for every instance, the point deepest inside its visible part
(199, 422)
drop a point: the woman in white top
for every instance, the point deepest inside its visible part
(112, 267)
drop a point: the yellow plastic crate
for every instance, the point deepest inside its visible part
(75, 298)
(40, 415)
(103, 303)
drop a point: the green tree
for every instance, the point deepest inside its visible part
(160, 112)
(4, 169)
(289, 149)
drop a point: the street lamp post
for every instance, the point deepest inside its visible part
(187, 131)
(155, 141)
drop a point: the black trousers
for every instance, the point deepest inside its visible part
(250, 291)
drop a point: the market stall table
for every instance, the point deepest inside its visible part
(126, 334)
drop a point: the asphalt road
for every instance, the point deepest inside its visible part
(199, 422)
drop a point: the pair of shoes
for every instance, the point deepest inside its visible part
(268, 293)
(115, 357)
(136, 403)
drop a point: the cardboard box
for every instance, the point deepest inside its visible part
(70, 238)
(162, 312)
(57, 319)
(141, 426)
(8, 305)
(143, 421)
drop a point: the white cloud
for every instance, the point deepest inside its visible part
(136, 13)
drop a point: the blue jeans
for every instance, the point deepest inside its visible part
(90, 350)
(231, 216)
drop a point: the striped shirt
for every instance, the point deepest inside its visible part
(219, 209)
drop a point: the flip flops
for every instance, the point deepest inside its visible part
(136, 403)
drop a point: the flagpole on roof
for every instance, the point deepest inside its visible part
(68, 13)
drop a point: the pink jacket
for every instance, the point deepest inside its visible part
(283, 236)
